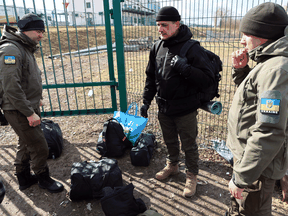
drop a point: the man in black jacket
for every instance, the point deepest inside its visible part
(177, 82)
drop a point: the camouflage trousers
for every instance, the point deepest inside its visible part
(32, 146)
(257, 199)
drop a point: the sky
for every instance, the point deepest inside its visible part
(49, 4)
(194, 9)
(202, 5)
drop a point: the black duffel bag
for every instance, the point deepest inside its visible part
(120, 201)
(89, 178)
(142, 153)
(53, 136)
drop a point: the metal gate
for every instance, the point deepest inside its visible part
(76, 55)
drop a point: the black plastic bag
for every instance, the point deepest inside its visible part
(53, 136)
(89, 178)
(142, 153)
(120, 201)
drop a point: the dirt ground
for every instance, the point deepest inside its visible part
(80, 135)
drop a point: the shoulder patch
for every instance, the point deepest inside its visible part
(270, 106)
(9, 60)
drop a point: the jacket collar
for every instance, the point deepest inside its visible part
(184, 34)
(10, 33)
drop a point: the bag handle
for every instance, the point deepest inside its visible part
(131, 105)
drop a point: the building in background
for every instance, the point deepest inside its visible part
(139, 12)
(87, 12)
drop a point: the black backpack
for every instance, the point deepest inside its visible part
(142, 152)
(120, 201)
(213, 91)
(112, 141)
(53, 136)
(89, 178)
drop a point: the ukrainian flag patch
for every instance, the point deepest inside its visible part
(9, 60)
(271, 106)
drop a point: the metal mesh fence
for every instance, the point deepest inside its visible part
(214, 23)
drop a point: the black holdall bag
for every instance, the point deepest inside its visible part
(120, 201)
(89, 178)
(112, 141)
(53, 136)
(142, 153)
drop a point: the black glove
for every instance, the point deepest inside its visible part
(3, 120)
(143, 110)
(180, 65)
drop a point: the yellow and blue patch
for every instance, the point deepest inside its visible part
(271, 106)
(9, 60)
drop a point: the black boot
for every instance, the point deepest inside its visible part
(2, 191)
(46, 182)
(26, 179)
(3, 120)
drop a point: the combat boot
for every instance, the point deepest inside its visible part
(168, 170)
(26, 179)
(190, 186)
(46, 182)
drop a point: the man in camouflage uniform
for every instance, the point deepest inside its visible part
(257, 121)
(21, 90)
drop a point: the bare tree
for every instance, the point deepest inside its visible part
(220, 14)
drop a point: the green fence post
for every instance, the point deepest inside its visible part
(120, 54)
(110, 51)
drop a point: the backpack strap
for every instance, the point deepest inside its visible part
(120, 134)
(187, 45)
(157, 46)
(104, 131)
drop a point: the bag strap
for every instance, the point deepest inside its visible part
(157, 46)
(104, 131)
(187, 45)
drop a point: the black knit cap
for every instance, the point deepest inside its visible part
(168, 13)
(267, 20)
(31, 22)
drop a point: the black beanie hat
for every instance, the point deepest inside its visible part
(168, 13)
(31, 22)
(267, 20)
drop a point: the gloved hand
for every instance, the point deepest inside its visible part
(178, 62)
(180, 65)
(34, 120)
(143, 110)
